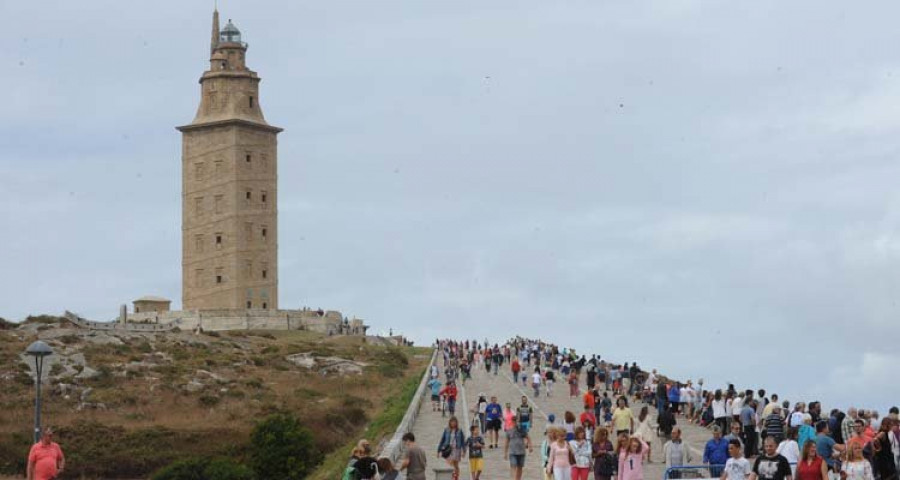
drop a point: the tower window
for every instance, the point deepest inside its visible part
(198, 206)
(218, 203)
(198, 243)
(265, 273)
(248, 158)
(251, 101)
(264, 231)
(263, 196)
(218, 279)
(218, 240)
(265, 305)
(249, 304)
(198, 277)
(248, 195)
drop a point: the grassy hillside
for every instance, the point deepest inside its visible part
(126, 404)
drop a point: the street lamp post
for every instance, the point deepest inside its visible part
(38, 350)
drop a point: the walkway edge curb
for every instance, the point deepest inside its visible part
(394, 447)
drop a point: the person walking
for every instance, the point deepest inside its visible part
(493, 415)
(387, 470)
(582, 449)
(631, 461)
(715, 454)
(559, 464)
(623, 418)
(450, 392)
(602, 452)
(549, 439)
(517, 442)
(415, 460)
(770, 465)
(509, 416)
(676, 454)
(644, 430)
(475, 446)
(481, 412)
(451, 445)
(789, 449)
(856, 467)
(536, 382)
(45, 459)
(524, 414)
(737, 467)
(883, 459)
(811, 466)
(720, 416)
(573, 384)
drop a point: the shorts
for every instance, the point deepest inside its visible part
(495, 424)
(476, 464)
(516, 461)
(435, 398)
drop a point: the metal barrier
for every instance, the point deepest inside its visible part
(693, 471)
(698, 471)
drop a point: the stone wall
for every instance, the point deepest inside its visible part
(216, 320)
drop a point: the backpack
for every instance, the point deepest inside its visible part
(350, 472)
(366, 468)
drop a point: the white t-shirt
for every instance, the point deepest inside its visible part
(686, 395)
(737, 469)
(737, 405)
(789, 450)
(718, 408)
(535, 378)
(796, 419)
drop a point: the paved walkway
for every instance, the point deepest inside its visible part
(429, 425)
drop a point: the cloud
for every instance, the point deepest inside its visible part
(865, 381)
(707, 189)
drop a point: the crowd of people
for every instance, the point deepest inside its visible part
(753, 436)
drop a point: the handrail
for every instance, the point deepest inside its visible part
(703, 467)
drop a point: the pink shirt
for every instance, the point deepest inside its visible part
(631, 466)
(45, 459)
(559, 456)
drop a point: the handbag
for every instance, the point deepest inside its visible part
(446, 451)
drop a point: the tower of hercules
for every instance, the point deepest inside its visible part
(229, 187)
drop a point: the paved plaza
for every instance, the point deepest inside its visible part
(429, 425)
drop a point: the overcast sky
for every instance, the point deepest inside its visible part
(705, 187)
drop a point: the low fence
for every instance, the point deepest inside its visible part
(693, 471)
(394, 448)
(696, 471)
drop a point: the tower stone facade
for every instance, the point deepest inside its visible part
(229, 187)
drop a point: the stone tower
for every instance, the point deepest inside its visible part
(229, 187)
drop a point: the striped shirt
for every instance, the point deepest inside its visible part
(775, 426)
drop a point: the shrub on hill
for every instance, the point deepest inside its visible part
(204, 469)
(280, 447)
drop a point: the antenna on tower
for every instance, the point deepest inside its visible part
(214, 38)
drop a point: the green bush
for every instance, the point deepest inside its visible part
(280, 447)
(204, 469)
